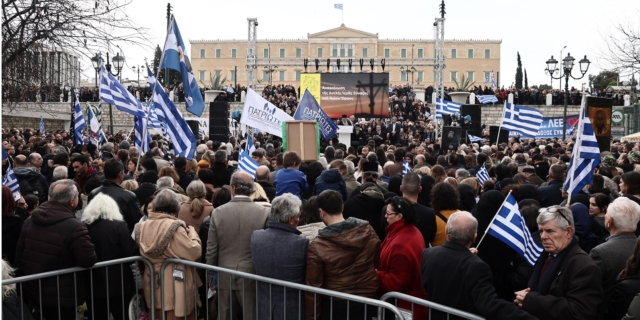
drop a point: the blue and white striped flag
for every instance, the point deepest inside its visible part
(473, 138)
(111, 91)
(250, 147)
(588, 152)
(446, 107)
(482, 175)
(510, 228)
(154, 122)
(247, 164)
(175, 57)
(42, 127)
(337, 6)
(9, 180)
(184, 141)
(493, 81)
(487, 98)
(405, 167)
(521, 119)
(78, 121)
(139, 126)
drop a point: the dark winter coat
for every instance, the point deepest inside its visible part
(185, 179)
(279, 252)
(623, 293)
(144, 191)
(550, 195)
(127, 201)
(367, 206)
(30, 175)
(11, 226)
(53, 239)
(331, 180)
(221, 175)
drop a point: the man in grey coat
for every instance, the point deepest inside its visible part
(229, 246)
(611, 257)
(280, 252)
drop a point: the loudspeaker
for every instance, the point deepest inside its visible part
(451, 138)
(493, 135)
(194, 125)
(470, 117)
(219, 121)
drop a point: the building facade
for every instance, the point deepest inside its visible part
(407, 60)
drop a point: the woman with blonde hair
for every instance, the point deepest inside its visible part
(452, 181)
(197, 208)
(173, 174)
(129, 184)
(260, 197)
(438, 174)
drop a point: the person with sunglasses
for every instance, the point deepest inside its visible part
(564, 276)
(400, 255)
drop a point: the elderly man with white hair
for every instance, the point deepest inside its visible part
(59, 173)
(611, 257)
(280, 252)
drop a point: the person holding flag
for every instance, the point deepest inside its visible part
(42, 132)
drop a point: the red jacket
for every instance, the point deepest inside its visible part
(399, 268)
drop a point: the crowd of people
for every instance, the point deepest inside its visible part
(350, 222)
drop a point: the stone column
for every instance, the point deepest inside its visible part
(627, 100)
(549, 99)
(472, 98)
(243, 95)
(510, 98)
(420, 94)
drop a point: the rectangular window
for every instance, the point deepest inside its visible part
(470, 53)
(454, 75)
(350, 52)
(233, 75)
(487, 53)
(201, 75)
(342, 50)
(265, 53)
(386, 52)
(281, 75)
(365, 52)
(487, 76)
(234, 53)
(282, 53)
(297, 75)
(298, 52)
(420, 53)
(454, 53)
(334, 52)
(265, 75)
(403, 53)
(420, 75)
(319, 52)
(470, 76)
(403, 76)
(218, 53)
(202, 53)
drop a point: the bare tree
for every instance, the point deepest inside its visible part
(622, 50)
(34, 31)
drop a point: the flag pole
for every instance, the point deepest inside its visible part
(494, 218)
(504, 108)
(576, 146)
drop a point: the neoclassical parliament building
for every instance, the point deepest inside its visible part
(407, 60)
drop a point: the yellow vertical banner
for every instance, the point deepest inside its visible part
(311, 81)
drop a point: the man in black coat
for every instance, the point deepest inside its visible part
(127, 200)
(454, 276)
(185, 179)
(366, 204)
(262, 178)
(551, 194)
(147, 186)
(221, 173)
(53, 239)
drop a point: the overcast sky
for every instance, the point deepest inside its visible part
(537, 29)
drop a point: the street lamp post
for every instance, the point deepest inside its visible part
(567, 67)
(409, 70)
(118, 62)
(269, 69)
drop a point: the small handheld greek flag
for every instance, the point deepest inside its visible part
(338, 6)
(473, 138)
(483, 174)
(42, 126)
(488, 98)
(9, 180)
(405, 167)
(247, 164)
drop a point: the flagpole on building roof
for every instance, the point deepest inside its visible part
(494, 218)
(576, 145)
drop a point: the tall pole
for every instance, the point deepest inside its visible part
(166, 70)
(566, 97)
(108, 66)
(235, 76)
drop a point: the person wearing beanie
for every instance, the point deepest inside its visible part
(147, 186)
(124, 145)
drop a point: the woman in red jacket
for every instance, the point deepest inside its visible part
(400, 255)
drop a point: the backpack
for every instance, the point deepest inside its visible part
(31, 184)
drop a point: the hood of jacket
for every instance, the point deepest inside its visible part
(373, 192)
(50, 213)
(102, 207)
(25, 171)
(348, 234)
(331, 176)
(154, 235)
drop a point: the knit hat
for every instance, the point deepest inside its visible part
(149, 176)
(125, 145)
(635, 157)
(609, 162)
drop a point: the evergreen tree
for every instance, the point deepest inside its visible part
(526, 80)
(156, 60)
(519, 73)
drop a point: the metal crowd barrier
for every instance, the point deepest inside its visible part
(380, 305)
(431, 305)
(124, 263)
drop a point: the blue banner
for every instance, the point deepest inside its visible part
(551, 127)
(308, 109)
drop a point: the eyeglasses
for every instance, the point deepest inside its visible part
(553, 210)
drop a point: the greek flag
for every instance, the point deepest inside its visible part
(482, 174)
(42, 126)
(247, 164)
(405, 167)
(446, 107)
(9, 180)
(78, 121)
(509, 227)
(175, 57)
(487, 98)
(250, 147)
(184, 142)
(338, 6)
(154, 122)
(473, 138)
(521, 119)
(493, 81)
(588, 152)
(139, 126)
(112, 92)
(95, 131)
